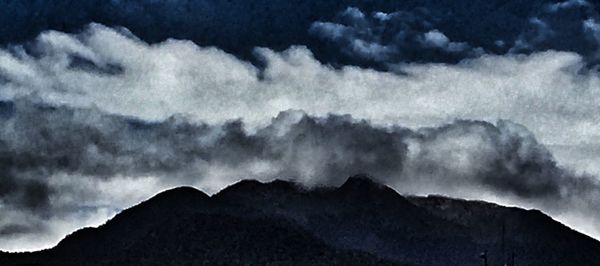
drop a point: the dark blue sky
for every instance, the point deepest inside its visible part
(237, 26)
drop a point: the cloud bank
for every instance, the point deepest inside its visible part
(96, 121)
(550, 92)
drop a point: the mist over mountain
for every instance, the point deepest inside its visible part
(52, 173)
(361, 222)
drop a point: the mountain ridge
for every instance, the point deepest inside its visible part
(361, 220)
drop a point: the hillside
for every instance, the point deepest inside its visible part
(282, 223)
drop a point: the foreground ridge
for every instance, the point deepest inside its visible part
(362, 222)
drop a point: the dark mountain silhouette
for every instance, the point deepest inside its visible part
(359, 223)
(528, 234)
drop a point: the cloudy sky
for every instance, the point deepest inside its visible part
(105, 103)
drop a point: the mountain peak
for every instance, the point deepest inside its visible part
(366, 188)
(182, 193)
(250, 188)
(362, 181)
(178, 198)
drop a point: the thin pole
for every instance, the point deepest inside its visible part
(503, 239)
(484, 258)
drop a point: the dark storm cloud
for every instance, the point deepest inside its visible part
(395, 37)
(568, 25)
(14, 229)
(40, 141)
(48, 139)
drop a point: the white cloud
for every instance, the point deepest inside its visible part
(436, 38)
(546, 91)
(566, 5)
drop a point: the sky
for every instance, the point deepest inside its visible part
(106, 103)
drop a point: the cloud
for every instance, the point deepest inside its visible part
(567, 26)
(568, 4)
(85, 116)
(416, 35)
(391, 37)
(82, 162)
(551, 92)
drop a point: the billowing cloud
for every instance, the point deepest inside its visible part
(64, 165)
(395, 37)
(415, 35)
(568, 25)
(551, 92)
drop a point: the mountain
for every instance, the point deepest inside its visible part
(283, 223)
(528, 234)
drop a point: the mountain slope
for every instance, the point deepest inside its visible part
(360, 215)
(359, 223)
(204, 239)
(529, 235)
